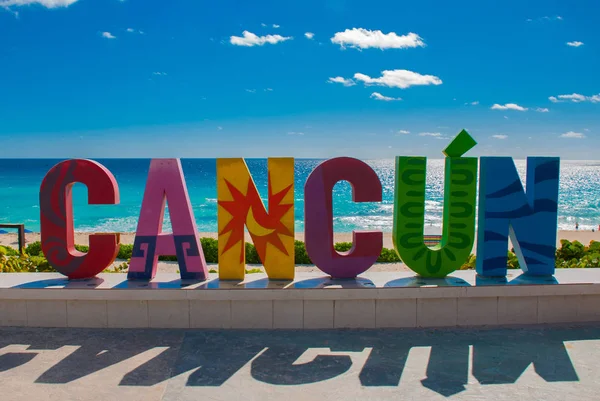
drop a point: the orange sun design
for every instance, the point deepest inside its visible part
(263, 227)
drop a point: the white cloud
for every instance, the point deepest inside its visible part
(162, 74)
(546, 18)
(251, 90)
(341, 80)
(263, 24)
(268, 90)
(475, 103)
(500, 136)
(108, 35)
(542, 110)
(433, 134)
(249, 39)
(309, 35)
(276, 26)
(403, 132)
(571, 134)
(360, 38)
(379, 96)
(296, 133)
(219, 128)
(575, 98)
(44, 3)
(575, 44)
(131, 30)
(399, 79)
(508, 106)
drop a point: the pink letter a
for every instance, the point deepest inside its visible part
(166, 183)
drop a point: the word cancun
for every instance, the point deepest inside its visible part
(504, 210)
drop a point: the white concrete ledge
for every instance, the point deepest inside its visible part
(312, 301)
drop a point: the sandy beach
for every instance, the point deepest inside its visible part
(127, 238)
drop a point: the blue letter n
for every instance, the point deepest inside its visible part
(529, 218)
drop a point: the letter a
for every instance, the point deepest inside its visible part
(166, 183)
(56, 218)
(240, 205)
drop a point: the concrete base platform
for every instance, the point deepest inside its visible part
(312, 301)
(533, 363)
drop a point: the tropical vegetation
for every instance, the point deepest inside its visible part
(570, 255)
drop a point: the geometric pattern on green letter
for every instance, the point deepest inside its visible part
(458, 229)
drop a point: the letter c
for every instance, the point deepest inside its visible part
(56, 217)
(318, 215)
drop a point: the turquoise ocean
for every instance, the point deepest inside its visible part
(20, 181)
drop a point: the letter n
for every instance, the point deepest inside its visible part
(530, 219)
(239, 205)
(166, 183)
(56, 217)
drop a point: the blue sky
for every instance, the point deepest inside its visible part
(148, 78)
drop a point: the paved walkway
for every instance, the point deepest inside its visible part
(552, 363)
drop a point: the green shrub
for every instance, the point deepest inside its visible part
(570, 250)
(252, 255)
(569, 255)
(300, 255)
(41, 264)
(512, 261)
(388, 256)
(342, 246)
(8, 251)
(210, 246)
(575, 255)
(469, 263)
(34, 249)
(594, 247)
(121, 268)
(24, 263)
(82, 248)
(125, 251)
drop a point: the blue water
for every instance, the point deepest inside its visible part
(20, 181)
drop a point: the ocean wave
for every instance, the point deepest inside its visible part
(386, 208)
(349, 223)
(116, 225)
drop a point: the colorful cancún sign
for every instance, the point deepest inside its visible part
(505, 210)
